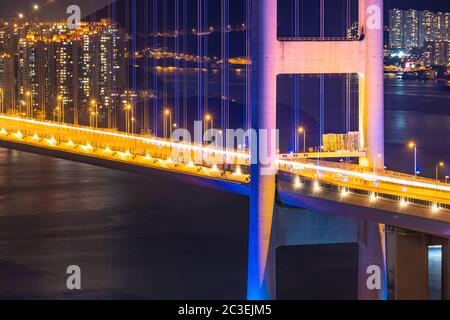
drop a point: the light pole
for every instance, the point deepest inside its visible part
(167, 123)
(57, 114)
(29, 103)
(23, 105)
(208, 119)
(61, 108)
(94, 114)
(302, 131)
(127, 109)
(438, 165)
(413, 145)
(2, 96)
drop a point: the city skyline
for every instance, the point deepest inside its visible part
(48, 66)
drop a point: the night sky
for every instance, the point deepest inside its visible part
(56, 8)
(436, 5)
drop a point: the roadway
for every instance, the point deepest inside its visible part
(315, 179)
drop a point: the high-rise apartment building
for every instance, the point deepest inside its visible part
(437, 53)
(425, 27)
(77, 66)
(8, 43)
(396, 28)
(411, 29)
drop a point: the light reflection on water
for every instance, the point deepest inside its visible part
(434, 272)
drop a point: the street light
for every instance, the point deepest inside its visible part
(127, 109)
(439, 165)
(167, 123)
(61, 107)
(413, 145)
(208, 118)
(20, 15)
(29, 103)
(35, 7)
(93, 119)
(302, 130)
(2, 105)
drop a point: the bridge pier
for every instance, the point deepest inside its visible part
(407, 253)
(304, 227)
(261, 255)
(372, 252)
(261, 266)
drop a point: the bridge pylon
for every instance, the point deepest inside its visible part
(272, 57)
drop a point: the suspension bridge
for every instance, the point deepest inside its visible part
(366, 191)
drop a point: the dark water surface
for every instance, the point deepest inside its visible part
(132, 236)
(143, 237)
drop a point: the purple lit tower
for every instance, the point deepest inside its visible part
(270, 58)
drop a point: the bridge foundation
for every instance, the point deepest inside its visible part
(372, 253)
(407, 261)
(304, 227)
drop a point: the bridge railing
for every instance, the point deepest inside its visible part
(402, 186)
(136, 149)
(120, 141)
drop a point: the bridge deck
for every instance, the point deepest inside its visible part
(126, 148)
(220, 164)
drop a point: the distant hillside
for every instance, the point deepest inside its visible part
(140, 26)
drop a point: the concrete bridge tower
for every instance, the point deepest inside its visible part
(270, 58)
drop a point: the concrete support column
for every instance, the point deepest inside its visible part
(446, 269)
(407, 264)
(362, 117)
(371, 122)
(372, 253)
(371, 19)
(261, 265)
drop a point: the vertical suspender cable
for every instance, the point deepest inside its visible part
(155, 64)
(322, 80)
(165, 47)
(199, 62)
(133, 51)
(204, 57)
(296, 79)
(185, 66)
(248, 23)
(177, 61)
(225, 99)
